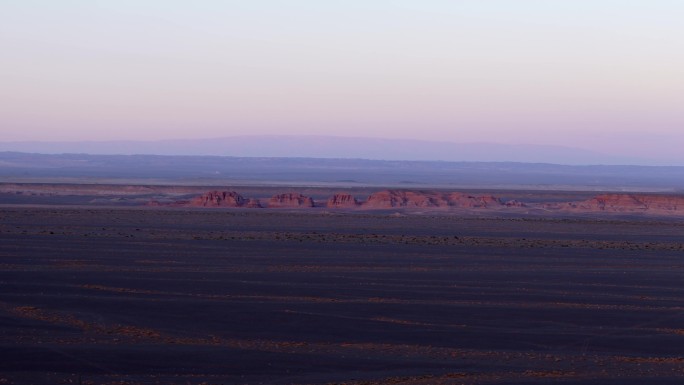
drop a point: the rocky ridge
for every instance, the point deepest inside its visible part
(342, 200)
(630, 203)
(423, 199)
(420, 199)
(219, 199)
(290, 200)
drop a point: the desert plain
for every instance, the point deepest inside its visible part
(105, 288)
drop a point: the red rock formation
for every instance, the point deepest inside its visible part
(613, 202)
(383, 199)
(457, 199)
(388, 199)
(291, 200)
(342, 200)
(423, 199)
(631, 203)
(378, 200)
(664, 202)
(402, 198)
(489, 201)
(219, 199)
(515, 203)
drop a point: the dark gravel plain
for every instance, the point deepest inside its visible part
(177, 296)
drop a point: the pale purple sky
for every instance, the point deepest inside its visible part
(606, 75)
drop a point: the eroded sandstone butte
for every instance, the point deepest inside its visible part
(218, 199)
(401, 198)
(457, 199)
(342, 200)
(631, 203)
(290, 200)
(426, 199)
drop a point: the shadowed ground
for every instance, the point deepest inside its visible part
(145, 296)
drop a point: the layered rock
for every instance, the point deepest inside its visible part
(342, 200)
(457, 199)
(219, 199)
(388, 199)
(425, 199)
(290, 200)
(631, 203)
(401, 198)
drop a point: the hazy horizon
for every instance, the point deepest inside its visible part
(333, 147)
(605, 76)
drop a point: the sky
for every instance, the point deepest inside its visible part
(604, 75)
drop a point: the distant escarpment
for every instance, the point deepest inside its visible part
(629, 203)
(440, 200)
(290, 200)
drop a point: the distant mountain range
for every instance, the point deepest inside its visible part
(332, 147)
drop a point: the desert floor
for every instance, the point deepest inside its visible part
(98, 295)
